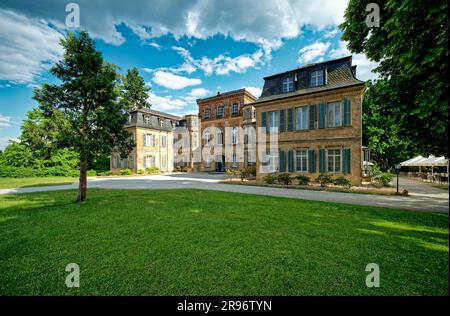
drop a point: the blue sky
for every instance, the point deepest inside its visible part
(184, 49)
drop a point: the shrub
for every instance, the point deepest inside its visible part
(384, 178)
(284, 178)
(181, 169)
(251, 171)
(342, 181)
(91, 173)
(125, 172)
(231, 173)
(324, 179)
(105, 173)
(303, 180)
(23, 172)
(152, 170)
(141, 171)
(270, 179)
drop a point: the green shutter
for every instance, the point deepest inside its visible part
(282, 120)
(347, 158)
(322, 114)
(282, 161)
(347, 112)
(291, 161)
(322, 166)
(312, 116)
(290, 118)
(263, 119)
(312, 160)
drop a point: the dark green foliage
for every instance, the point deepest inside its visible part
(324, 179)
(303, 180)
(384, 178)
(342, 181)
(284, 178)
(270, 179)
(28, 172)
(87, 96)
(411, 45)
(134, 93)
(125, 172)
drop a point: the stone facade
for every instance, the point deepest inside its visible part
(153, 133)
(308, 143)
(223, 111)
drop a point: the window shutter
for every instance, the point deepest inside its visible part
(290, 118)
(312, 116)
(264, 119)
(143, 140)
(322, 166)
(312, 160)
(322, 114)
(282, 166)
(347, 112)
(291, 161)
(282, 120)
(347, 160)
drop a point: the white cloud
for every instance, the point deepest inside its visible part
(5, 122)
(199, 92)
(155, 45)
(332, 33)
(312, 52)
(27, 47)
(167, 103)
(254, 90)
(172, 81)
(364, 71)
(5, 141)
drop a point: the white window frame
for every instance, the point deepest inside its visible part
(336, 118)
(317, 78)
(337, 168)
(302, 118)
(163, 141)
(234, 163)
(147, 119)
(302, 154)
(288, 84)
(206, 113)
(274, 120)
(234, 135)
(149, 161)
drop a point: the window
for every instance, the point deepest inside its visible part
(161, 122)
(334, 114)
(248, 114)
(334, 160)
(288, 84)
(131, 162)
(208, 162)
(234, 135)
(206, 114)
(234, 163)
(163, 161)
(301, 160)
(272, 164)
(219, 111)
(234, 109)
(147, 119)
(316, 78)
(219, 137)
(301, 118)
(149, 140)
(206, 137)
(273, 120)
(149, 161)
(163, 141)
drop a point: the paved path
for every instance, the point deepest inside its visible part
(423, 196)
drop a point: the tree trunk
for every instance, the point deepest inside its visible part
(83, 179)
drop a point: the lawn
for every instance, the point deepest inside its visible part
(195, 242)
(11, 183)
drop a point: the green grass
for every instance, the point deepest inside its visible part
(11, 183)
(441, 186)
(198, 242)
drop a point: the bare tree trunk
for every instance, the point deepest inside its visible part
(83, 179)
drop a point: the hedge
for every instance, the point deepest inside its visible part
(23, 172)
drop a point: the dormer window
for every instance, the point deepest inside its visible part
(317, 78)
(288, 84)
(147, 119)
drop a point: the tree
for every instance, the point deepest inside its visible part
(134, 93)
(411, 46)
(87, 96)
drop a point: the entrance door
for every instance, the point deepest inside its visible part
(220, 165)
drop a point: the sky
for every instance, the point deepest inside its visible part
(184, 49)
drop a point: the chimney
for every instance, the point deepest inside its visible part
(218, 92)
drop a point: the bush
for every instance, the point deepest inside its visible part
(124, 172)
(270, 179)
(23, 172)
(384, 178)
(91, 173)
(342, 181)
(251, 171)
(231, 173)
(105, 173)
(181, 169)
(152, 170)
(303, 180)
(141, 171)
(324, 179)
(284, 178)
